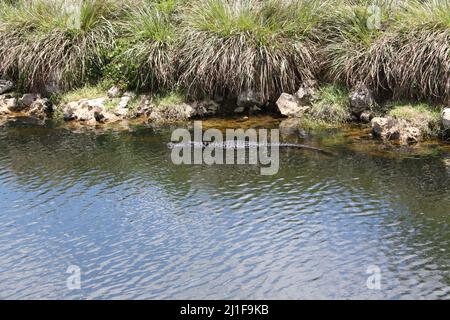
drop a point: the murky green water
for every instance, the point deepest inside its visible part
(137, 226)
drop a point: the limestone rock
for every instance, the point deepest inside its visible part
(366, 116)
(27, 99)
(114, 92)
(41, 108)
(177, 112)
(205, 107)
(361, 100)
(395, 129)
(290, 106)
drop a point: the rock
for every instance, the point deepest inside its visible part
(290, 106)
(250, 98)
(361, 100)
(85, 110)
(106, 116)
(114, 92)
(205, 107)
(27, 99)
(123, 103)
(6, 86)
(239, 110)
(41, 108)
(307, 93)
(366, 116)
(379, 125)
(144, 109)
(446, 118)
(410, 135)
(394, 129)
(94, 103)
(122, 109)
(11, 105)
(130, 94)
(178, 112)
(255, 109)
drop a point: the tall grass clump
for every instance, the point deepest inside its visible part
(144, 58)
(358, 43)
(332, 105)
(228, 46)
(422, 66)
(55, 42)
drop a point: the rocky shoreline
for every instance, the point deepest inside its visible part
(117, 106)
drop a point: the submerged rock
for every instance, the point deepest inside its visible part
(290, 127)
(290, 106)
(361, 100)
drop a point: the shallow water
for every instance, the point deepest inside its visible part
(138, 226)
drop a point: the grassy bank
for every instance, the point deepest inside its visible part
(399, 49)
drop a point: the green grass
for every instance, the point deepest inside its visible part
(146, 54)
(46, 42)
(357, 47)
(332, 106)
(169, 99)
(231, 46)
(422, 63)
(207, 47)
(86, 92)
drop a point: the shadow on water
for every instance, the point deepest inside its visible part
(139, 226)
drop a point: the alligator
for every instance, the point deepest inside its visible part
(239, 144)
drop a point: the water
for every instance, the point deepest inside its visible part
(137, 226)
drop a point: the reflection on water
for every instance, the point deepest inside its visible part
(140, 227)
